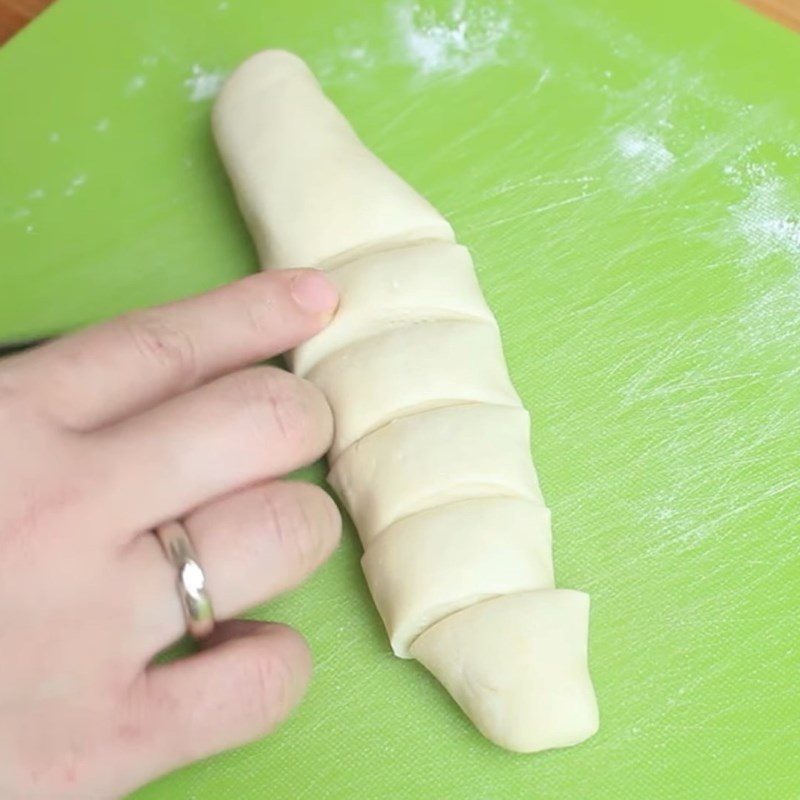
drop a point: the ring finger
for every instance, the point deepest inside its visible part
(252, 545)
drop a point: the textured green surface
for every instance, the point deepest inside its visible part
(626, 174)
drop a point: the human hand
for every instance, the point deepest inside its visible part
(105, 434)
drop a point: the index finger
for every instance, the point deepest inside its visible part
(118, 368)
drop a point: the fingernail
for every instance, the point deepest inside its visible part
(314, 292)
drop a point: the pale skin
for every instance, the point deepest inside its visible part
(104, 434)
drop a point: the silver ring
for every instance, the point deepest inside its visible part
(191, 580)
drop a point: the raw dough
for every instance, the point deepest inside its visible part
(435, 457)
(431, 452)
(395, 288)
(401, 372)
(308, 188)
(429, 565)
(517, 666)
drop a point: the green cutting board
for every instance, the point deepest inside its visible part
(627, 175)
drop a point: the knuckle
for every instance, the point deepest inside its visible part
(259, 310)
(330, 517)
(293, 525)
(265, 683)
(277, 404)
(132, 726)
(10, 399)
(46, 508)
(59, 494)
(162, 344)
(9, 387)
(322, 412)
(291, 415)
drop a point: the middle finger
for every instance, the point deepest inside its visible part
(244, 428)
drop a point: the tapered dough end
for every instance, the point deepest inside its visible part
(517, 666)
(268, 65)
(309, 189)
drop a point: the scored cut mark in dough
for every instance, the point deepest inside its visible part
(402, 371)
(432, 458)
(395, 288)
(436, 562)
(431, 453)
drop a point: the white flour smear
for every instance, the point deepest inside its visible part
(465, 38)
(75, 184)
(772, 316)
(349, 59)
(767, 218)
(135, 84)
(767, 221)
(645, 153)
(203, 84)
(768, 215)
(357, 55)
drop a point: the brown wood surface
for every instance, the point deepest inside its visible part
(785, 11)
(14, 14)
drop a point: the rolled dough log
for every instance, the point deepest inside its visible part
(431, 453)
(435, 457)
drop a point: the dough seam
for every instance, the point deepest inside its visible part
(436, 503)
(411, 411)
(453, 607)
(385, 244)
(431, 315)
(482, 598)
